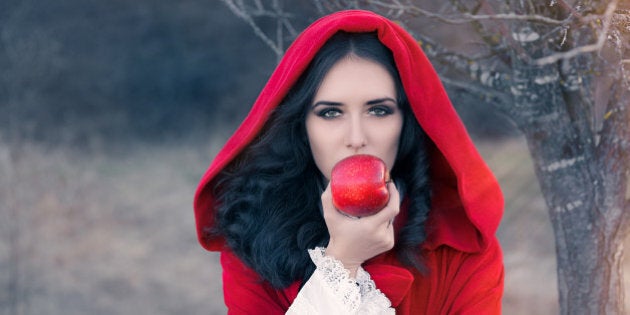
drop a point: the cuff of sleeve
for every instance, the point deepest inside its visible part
(337, 277)
(374, 301)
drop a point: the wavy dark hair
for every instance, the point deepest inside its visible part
(268, 198)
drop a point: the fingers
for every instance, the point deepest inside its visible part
(354, 240)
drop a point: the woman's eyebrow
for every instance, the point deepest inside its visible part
(381, 100)
(326, 103)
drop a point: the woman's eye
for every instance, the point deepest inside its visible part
(329, 113)
(380, 111)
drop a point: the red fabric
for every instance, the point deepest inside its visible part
(456, 283)
(465, 270)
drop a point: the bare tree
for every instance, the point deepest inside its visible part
(560, 70)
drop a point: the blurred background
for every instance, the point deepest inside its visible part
(109, 114)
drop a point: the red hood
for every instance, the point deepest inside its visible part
(467, 203)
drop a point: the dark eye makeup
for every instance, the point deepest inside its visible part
(378, 107)
(381, 110)
(328, 112)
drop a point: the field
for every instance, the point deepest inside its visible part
(112, 232)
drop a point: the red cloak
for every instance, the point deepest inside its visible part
(461, 252)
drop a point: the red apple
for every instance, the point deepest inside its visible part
(358, 185)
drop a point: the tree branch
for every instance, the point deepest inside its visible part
(471, 67)
(246, 14)
(242, 13)
(571, 10)
(466, 17)
(601, 39)
(489, 95)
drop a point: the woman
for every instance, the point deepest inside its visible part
(353, 82)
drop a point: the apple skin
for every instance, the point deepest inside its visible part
(358, 185)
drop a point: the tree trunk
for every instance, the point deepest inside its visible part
(583, 181)
(587, 226)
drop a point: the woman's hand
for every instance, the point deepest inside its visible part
(352, 240)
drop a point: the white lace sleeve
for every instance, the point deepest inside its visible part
(373, 300)
(330, 290)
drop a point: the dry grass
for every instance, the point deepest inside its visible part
(104, 234)
(525, 232)
(114, 233)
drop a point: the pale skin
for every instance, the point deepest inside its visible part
(354, 111)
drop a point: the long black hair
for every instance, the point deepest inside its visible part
(268, 198)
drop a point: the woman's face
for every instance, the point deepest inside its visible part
(354, 111)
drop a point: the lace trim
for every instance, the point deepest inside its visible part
(337, 277)
(373, 297)
(360, 294)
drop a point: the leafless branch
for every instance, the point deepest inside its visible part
(498, 100)
(248, 14)
(597, 46)
(238, 9)
(571, 10)
(464, 17)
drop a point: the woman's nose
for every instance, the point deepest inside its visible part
(356, 137)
